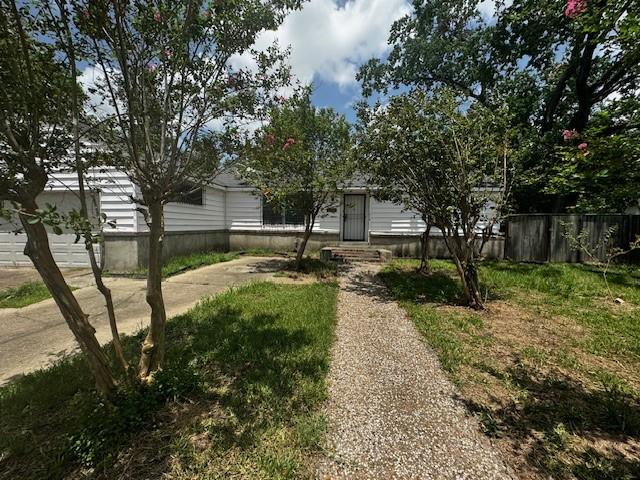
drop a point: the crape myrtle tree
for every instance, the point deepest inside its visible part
(57, 23)
(36, 97)
(558, 64)
(301, 155)
(166, 71)
(438, 156)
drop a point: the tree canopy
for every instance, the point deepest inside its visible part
(303, 152)
(556, 64)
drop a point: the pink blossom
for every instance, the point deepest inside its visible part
(575, 8)
(157, 17)
(582, 147)
(290, 141)
(167, 53)
(271, 139)
(569, 134)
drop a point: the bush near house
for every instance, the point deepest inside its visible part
(239, 398)
(551, 369)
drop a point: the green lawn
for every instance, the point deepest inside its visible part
(183, 263)
(552, 368)
(239, 398)
(23, 295)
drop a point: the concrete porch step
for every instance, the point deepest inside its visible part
(353, 254)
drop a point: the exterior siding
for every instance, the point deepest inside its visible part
(180, 217)
(390, 218)
(115, 192)
(244, 211)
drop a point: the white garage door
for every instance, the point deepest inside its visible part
(65, 252)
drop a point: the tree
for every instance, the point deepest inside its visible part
(168, 76)
(58, 22)
(302, 154)
(35, 109)
(555, 63)
(442, 158)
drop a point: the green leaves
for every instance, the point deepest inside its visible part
(432, 154)
(303, 150)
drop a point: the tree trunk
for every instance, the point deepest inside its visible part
(425, 265)
(153, 347)
(38, 250)
(308, 229)
(463, 257)
(108, 298)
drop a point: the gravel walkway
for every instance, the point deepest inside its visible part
(391, 409)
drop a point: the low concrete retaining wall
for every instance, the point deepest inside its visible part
(409, 246)
(279, 241)
(128, 251)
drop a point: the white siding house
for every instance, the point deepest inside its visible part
(228, 215)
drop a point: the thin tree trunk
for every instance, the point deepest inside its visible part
(84, 211)
(425, 265)
(308, 229)
(38, 250)
(462, 255)
(153, 347)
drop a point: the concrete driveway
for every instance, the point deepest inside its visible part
(33, 337)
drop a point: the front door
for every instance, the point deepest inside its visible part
(353, 228)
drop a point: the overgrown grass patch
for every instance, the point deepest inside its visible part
(551, 368)
(184, 263)
(23, 295)
(309, 268)
(239, 398)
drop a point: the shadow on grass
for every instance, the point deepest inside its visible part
(411, 286)
(249, 355)
(554, 409)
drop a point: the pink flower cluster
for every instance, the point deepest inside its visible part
(582, 147)
(569, 134)
(157, 16)
(290, 142)
(575, 8)
(271, 138)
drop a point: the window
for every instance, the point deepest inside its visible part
(289, 214)
(191, 194)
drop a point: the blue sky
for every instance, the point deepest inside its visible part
(330, 39)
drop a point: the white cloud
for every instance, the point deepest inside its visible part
(92, 81)
(328, 42)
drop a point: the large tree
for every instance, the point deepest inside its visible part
(445, 159)
(303, 156)
(167, 74)
(556, 63)
(36, 98)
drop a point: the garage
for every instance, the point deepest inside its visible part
(66, 252)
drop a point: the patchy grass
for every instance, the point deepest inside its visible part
(239, 398)
(23, 295)
(310, 268)
(264, 252)
(184, 263)
(551, 368)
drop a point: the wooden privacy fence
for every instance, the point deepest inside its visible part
(541, 237)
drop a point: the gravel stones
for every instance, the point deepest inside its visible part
(392, 411)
